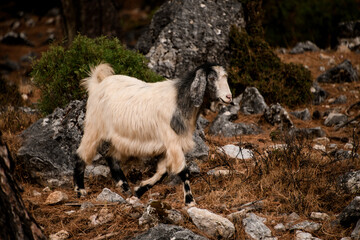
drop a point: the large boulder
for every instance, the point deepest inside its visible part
(48, 144)
(184, 34)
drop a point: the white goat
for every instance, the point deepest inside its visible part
(146, 119)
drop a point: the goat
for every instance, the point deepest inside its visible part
(146, 119)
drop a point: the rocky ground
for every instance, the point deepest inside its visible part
(293, 197)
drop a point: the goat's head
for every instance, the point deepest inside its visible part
(210, 80)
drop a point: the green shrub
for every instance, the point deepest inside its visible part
(253, 63)
(59, 71)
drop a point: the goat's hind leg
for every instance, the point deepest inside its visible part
(158, 177)
(118, 175)
(79, 171)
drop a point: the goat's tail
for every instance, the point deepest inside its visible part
(97, 74)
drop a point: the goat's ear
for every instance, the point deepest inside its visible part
(198, 86)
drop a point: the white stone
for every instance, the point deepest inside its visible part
(236, 152)
(102, 217)
(300, 235)
(108, 196)
(280, 227)
(319, 216)
(306, 226)
(56, 197)
(211, 223)
(319, 147)
(218, 172)
(100, 170)
(36, 193)
(61, 235)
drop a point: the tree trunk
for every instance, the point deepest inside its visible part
(15, 221)
(90, 18)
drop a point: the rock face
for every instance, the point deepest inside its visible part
(165, 231)
(185, 34)
(344, 72)
(212, 224)
(48, 145)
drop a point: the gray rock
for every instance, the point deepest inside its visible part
(350, 182)
(14, 38)
(159, 212)
(9, 66)
(335, 119)
(355, 234)
(108, 196)
(252, 102)
(165, 231)
(201, 150)
(48, 145)
(351, 213)
(86, 205)
(340, 100)
(343, 72)
(222, 125)
(277, 115)
(341, 154)
(350, 29)
(212, 224)
(99, 170)
(255, 227)
(184, 34)
(306, 226)
(302, 114)
(319, 94)
(310, 133)
(304, 47)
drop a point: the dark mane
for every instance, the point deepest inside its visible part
(185, 106)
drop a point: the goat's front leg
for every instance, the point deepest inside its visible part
(118, 175)
(188, 197)
(79, 176)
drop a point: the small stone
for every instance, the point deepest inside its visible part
(236, 217)
(280, 227)
(211, 223)
(319, 147)
(108, 196)
(102, 217)
(306, 226)
(56, 198)
(62, 235)
(236, 152)
(348, 146)
(36, 193)
(319, 216)
(218, 172)
(70, 212)
(86, 205)
(135, 202)
(300, 235)
(46, 189)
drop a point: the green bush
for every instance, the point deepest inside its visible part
(253, 63)
(59, 71)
